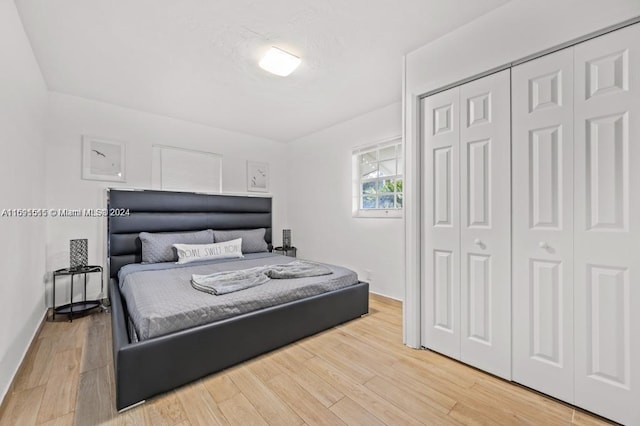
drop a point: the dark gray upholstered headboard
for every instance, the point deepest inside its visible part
(163, 211)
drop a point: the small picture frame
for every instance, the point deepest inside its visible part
(103, 159)
(257, 176)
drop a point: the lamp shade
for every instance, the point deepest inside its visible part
(78, 253)
(286, 238)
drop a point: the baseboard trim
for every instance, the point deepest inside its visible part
(386, 299)
(11, 387)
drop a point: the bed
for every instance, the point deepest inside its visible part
(164, 360)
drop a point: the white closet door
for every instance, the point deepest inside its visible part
(607, 225)
(441, 224)
(542, 93)
(485, 222)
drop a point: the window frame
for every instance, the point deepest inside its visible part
(358, 180)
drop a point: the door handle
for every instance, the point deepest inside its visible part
(543, 245)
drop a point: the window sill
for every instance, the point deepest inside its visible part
(384, 214)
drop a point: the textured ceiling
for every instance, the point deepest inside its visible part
(197, 59)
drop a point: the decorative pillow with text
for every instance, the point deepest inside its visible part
(188, 253)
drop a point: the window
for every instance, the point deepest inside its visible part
(378, 182)
(179, 169)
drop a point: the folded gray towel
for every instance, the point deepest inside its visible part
(297, 269)
(229, 281)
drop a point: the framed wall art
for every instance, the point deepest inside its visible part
(103, 159)
(257, 176)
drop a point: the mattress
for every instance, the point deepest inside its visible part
(161, 300)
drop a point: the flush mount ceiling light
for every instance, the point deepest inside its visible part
(279, 62)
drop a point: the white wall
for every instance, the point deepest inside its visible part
(320, 203)
(514, 31)
(70, 117)
(23, 96)
(511, 32)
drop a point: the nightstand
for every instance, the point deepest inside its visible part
(291, 251)
(81, 306)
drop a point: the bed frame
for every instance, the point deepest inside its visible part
(147, 368)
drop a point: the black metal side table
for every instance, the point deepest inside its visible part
(84, 305)
(290, 251)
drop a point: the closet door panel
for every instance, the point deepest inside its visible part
(607, 225)
(485, 224)
(542, 96)
(441, 224)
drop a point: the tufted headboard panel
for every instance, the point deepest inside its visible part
(165, 211)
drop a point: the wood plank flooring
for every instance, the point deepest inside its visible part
(356, 374)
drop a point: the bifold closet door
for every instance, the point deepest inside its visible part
(441, 223)
(607, 225)
(485, 223)
(542, 94)
(466, 223)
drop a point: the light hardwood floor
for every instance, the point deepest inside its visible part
(357, 373)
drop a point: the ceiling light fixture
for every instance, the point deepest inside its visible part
(279, 62)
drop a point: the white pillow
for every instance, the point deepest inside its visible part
(194, 252)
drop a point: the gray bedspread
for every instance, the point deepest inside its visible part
(161, 300)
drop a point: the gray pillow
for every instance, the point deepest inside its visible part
(158, 247)
(252, 239)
